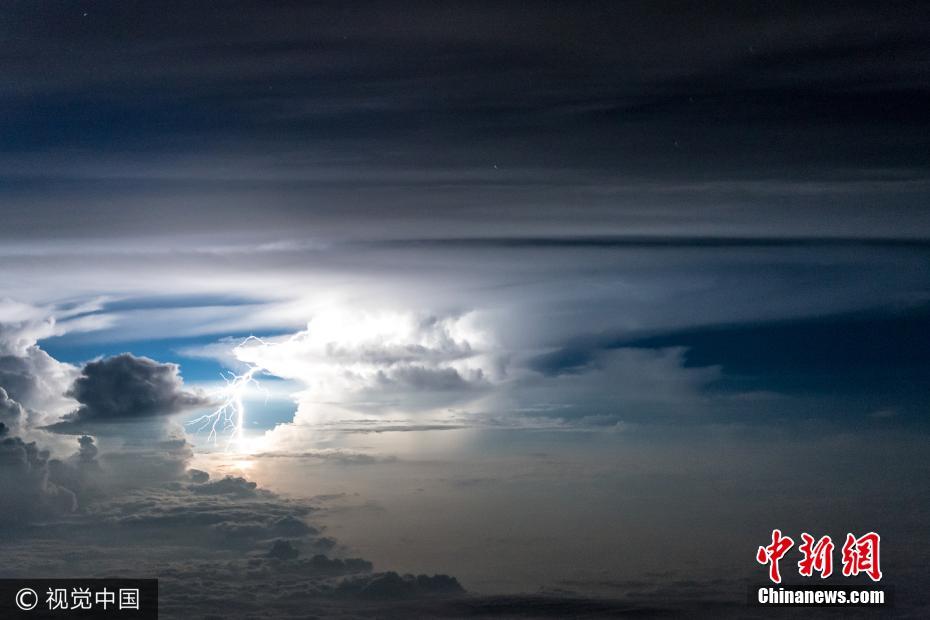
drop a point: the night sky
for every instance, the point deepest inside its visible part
(565, 305)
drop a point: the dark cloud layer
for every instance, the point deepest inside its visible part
(698, 117)
(252, 550)
(218, 546)
(26, 492)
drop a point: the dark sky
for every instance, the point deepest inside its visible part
(632, 117)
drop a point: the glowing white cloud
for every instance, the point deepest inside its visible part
(363, 361)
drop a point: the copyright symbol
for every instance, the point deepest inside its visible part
(23, 597)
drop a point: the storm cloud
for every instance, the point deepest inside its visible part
(26, 493)
(125, 387)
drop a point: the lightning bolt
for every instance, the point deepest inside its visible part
(229, 416)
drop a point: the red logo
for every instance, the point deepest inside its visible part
(860, 555)
(817, 557)
(773, 553)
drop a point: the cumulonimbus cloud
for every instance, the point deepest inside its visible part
(124, 388)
